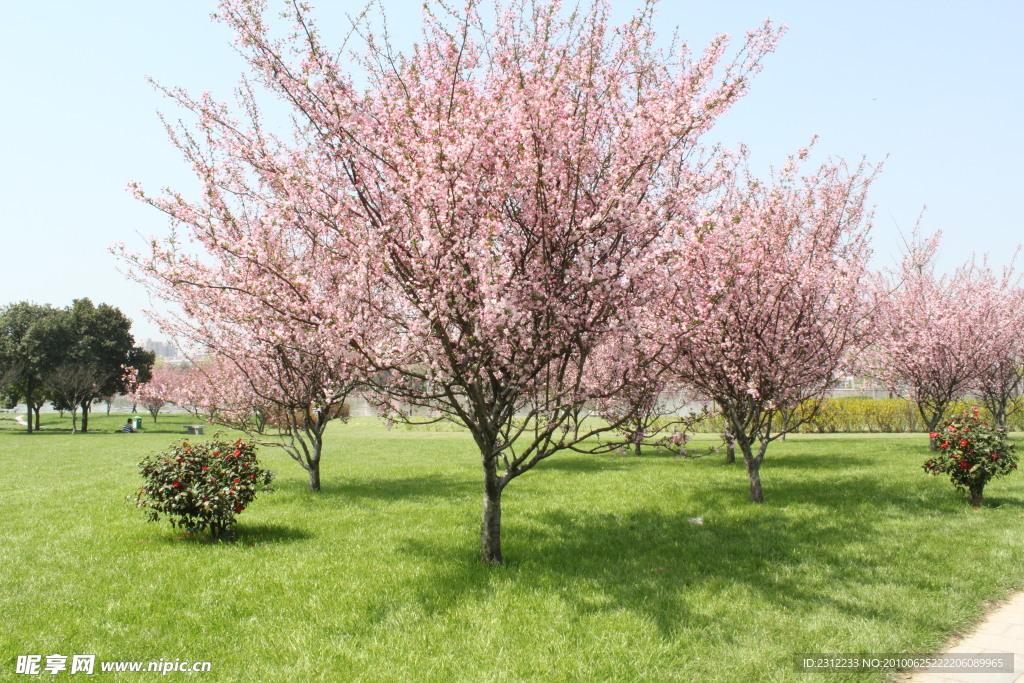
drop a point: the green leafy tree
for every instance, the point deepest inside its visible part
(27, 352)
(99, 338)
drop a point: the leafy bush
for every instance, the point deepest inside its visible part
(203, 485)
(971, 452)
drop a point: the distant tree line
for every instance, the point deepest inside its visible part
(71, 357)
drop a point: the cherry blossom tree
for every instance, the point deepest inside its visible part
(281, 397)
(1000, 382)
(780, 311)
(475, 227)
(939, 333)
(162, 388)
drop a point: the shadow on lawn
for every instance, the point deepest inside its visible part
(653, 563)
(267, 534)
(585, 463)
(404, 488)
(248, 535)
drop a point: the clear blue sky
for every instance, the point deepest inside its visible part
(934, 85)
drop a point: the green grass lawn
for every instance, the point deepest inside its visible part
(376, 578)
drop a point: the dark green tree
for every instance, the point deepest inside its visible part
(41, 345)
(99, 337)
(26, 353)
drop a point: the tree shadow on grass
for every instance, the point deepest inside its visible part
(652, 563)
(428, 486)
(810, 461)
(245, 534)
(585, 463)
(269, 534)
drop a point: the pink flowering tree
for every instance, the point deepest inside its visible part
(161, 389)
(938, 334)
(999, 383)
(279, 399)
(254, 270)
(780, 309)
(479, 222)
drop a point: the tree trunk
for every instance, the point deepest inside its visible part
(637, 448)
(37, 408)
(932, 424)
(85, 416)
(754, 473)
(74, 421)
(490, 526)
(976, 491)
(30, 389)
(314, 476)
(730, 453)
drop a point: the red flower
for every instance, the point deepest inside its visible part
(943, 444)
(995, 457)
(964, 465)
(933, 435)
(253, 476)
(963, 442)
(237, 453)
(206, 468)
(177, 484)
(235, 481)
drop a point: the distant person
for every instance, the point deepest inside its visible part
(129, 428)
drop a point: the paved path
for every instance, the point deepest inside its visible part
(1001, 631)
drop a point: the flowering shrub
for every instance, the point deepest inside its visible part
(971, 451)
(202, 485)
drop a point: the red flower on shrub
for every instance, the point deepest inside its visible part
(933, 435)
(237, 453)
(972, 462)
(198, 501)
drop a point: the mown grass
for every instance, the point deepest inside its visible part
(377, 578)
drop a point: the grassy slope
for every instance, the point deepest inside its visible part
(376, 578)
